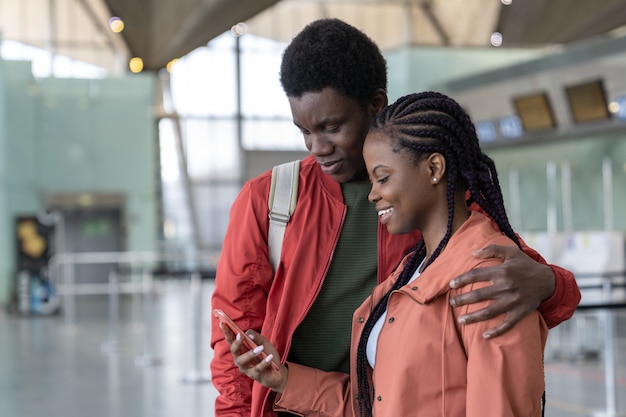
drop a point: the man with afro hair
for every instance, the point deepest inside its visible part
(334, 250)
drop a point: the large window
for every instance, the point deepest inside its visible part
(227, 99)
(45, 64)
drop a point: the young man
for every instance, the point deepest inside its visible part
(334, 250)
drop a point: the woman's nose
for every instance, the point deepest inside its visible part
(373, 196)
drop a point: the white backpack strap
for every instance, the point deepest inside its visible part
(282, 203)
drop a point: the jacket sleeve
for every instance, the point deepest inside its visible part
(562, 304)
(505, 375)
(314, 393)
(241, 285)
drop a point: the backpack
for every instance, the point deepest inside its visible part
(281, 203)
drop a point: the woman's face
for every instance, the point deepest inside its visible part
(402, 190)
(334, 128)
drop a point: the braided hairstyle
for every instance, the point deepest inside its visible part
(421, 124)
(332, 53)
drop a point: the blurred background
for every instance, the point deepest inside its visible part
(127, 128)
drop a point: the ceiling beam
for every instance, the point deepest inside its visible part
(427, 8)
(206, 22)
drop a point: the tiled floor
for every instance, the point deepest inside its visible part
(50, 367)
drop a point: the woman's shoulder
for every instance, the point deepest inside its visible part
(476, 233)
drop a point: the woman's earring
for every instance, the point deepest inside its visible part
(434, 180)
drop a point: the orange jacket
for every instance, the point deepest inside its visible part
(426, 363)
(246, 289)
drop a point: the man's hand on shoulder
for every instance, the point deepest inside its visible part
(517, 287)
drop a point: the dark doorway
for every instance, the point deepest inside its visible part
(93, 230)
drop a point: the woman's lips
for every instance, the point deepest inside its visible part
(383, 215)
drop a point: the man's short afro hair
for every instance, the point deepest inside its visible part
(332, 53)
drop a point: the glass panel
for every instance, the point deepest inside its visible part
(204, 94)
(213, 202)
(176, 215)
(276, 134)
(170, 172)
(204, 82)
(262, 94)
(211, 148)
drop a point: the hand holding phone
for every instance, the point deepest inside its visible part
(247, 343)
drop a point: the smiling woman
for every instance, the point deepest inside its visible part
(422, 154)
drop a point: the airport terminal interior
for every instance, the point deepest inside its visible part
(128, 127)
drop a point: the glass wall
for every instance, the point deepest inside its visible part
(227, 99)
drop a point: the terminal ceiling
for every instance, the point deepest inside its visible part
(160, 30)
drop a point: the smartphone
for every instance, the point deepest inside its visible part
(247, 343)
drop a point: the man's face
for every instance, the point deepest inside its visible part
(334, 128)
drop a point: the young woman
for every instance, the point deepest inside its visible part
(409, 354)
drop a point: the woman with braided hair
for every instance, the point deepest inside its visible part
(409, 354)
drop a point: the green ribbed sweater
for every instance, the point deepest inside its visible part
(323, 339)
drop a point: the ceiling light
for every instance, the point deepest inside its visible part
(239, 29)
(135, 64)
(496, 39)
(614, 107)
(170, 64)
(116, 24)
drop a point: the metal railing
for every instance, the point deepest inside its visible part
(144, 266)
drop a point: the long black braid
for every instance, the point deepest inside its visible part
(424, 123)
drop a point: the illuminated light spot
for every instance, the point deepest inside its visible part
(171, 64)
(169, 229)
(85, 200)
(506, 2)
(32, 90)
(135, 64)
(496, 39)
(239, 29)
(614, 107)
(116, 24)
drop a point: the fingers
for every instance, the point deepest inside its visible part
(507, 324)
(505, 253)
(236, 345)
(479, 294)
(497, 251)
(261, 367)
(256, 336)
(516, 288)
(511, 318)
(251, 358)
(228, 335)
(254, 356)
(251, 348)
(500, 329)
(481, 315)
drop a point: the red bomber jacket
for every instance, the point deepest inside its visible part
(247, 290)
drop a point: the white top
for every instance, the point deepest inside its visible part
(372, 341)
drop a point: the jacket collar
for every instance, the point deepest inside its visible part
(434, 281)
